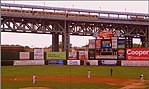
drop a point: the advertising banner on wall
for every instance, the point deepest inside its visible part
(91, 53)
(83, 55)
(73, 62)
(134, 63)
(24, 55)
(38, 54)
(137, 54)
(55, 62)
(98, 43)
(56, 55)
(121, 43)
(91, 43)
(106, 43)
(105, 33)
(108, 62)
(106, 57)
(90, 62)
(28, 62)
(114, 42)
(121, 54)
(73, 55)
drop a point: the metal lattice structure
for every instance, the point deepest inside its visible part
(66, 26)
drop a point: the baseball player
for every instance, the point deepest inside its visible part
(111, 71)
(34, 78)
(142, 77)
(89, 72)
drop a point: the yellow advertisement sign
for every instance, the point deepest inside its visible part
(56, 55)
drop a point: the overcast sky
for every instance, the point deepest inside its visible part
(44, 40)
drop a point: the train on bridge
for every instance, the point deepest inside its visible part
(66, 14)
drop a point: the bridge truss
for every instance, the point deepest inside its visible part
(21, 23)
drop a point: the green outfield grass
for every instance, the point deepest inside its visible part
(53, 70)
(118, 71)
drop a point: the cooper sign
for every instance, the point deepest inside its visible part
(137, 54)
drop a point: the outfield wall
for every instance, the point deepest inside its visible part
(75, 62)
(104, 57)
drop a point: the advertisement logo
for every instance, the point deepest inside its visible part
(83, 55)
(73, 62)
(107, 33)
(121, 54)
(134, 63)
(106, 43)
(121, 43)
(137, 54)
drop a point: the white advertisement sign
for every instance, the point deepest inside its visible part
(114, 42)
(134, 63)
(38, 54)
(28, 62)
(73, 62)
(108, 62)
(83, 55)
(91, 62)
(24, 55)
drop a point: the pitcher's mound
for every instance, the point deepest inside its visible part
(36, 88)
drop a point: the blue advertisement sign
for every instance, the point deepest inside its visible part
(108, 62)
(58, 62)
(121, 43)
(106, 43)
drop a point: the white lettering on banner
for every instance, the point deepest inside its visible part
(91, 62)
(24, 55)
(130, 52)
(137, 58)
(109, 62)
(135, 63)
(73, 62)
(129, 57)
(28, 62)
(38, 54)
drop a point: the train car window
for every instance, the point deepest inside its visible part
(34, 11)
(27, 11)
(39, 12)
(3, 10)
(18, 10)
(47, 12)
(23, 11)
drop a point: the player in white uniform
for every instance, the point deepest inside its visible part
(89, 72)
(34, 78)
(142, 77)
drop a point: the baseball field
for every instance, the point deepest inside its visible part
(73, 77)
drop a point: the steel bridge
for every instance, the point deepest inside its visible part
(130, 25)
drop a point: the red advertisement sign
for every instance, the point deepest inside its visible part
(107, 33)
(137, 54)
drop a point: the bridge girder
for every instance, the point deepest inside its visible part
(67, 28)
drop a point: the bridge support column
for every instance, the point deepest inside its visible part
(129, 42)
(143, 41)
(55, 42)
(66, 39)
(147, 37)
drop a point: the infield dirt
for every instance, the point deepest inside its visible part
(127, 83)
